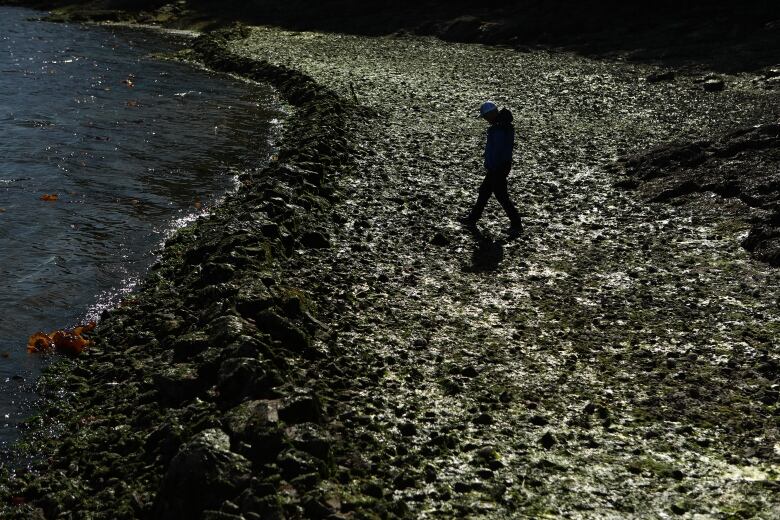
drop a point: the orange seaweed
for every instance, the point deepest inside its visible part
(68, 343)
(39, 342)
(49, 197)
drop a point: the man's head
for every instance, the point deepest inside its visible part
(488, 111)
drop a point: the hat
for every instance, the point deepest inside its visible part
(487, 107)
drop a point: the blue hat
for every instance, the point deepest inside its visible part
(487, 107)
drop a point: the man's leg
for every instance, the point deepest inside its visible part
(502, 195)
(485, 190)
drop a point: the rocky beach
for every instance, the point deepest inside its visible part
(331, 343)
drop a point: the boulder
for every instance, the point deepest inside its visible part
(201, 476)
(245, 378)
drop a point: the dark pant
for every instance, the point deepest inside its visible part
(495, 183)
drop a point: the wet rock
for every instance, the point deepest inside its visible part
(247, 418)
(657, 77)
(200, 476)
(295, 463)
(213, 274)
(177, 384)
(253, 297)
(315, 240)
(313, 440)
(713, 85)
(316, 509)
(405, 480)
(282, 329)
(220, 515)
(300, 409)
(189, 345)
(242, 378)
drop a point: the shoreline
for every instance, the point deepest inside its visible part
(162, 347)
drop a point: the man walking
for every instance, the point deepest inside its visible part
(498, 163)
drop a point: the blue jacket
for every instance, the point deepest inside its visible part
(500, 142)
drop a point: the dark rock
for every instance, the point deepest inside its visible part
(177, 384)
(282, 329)
(713, 85)
(439, 239)
(315, 240)
(657, 77)
(373, 489)
(220, 515)
(405, 481)
(300, 409)
(539, 420)
(407, 429)
(484, 418)
(213, 274)
(470, 371)
(242, 378)
(548, 440)
(311, 439)
(294, 463)
(200, 476)
(315, 509)
(249, 417)
(253, 297)
(189, 345)
(680, 507)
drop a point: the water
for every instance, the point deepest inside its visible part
(131, 146)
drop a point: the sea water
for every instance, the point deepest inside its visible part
(131, 146)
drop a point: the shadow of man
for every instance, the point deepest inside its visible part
(487, 254)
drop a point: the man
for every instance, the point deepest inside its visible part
(498, 163)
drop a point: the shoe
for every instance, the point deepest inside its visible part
(468, 221)
(515, 231)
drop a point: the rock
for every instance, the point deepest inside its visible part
(282, 329)
(405, 480)
(470, 371)
(439, 239)
(177, 384)
(713, 85)
(300, 409)
(201, 475)
(657, 77)
(314, 240)
(242, 378)
(213, 274)
(315, 509)
(295, 463)
(189, 345)
(548, 440)
(253, 297)
(250, 416)
(680, 507)
(538, 420)
(407, 429)
(220, 515)
(311, 439)
(484, 418)
(487, 453)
